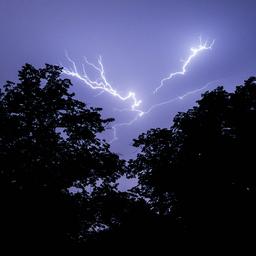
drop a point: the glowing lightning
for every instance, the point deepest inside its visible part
(151, 108)
(194, 52)
(101, 84)
(114, 128)
(181, 97)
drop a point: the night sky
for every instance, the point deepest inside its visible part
(141, 42)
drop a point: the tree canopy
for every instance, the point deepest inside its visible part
(48, 144)
(201, 170)
(58, 180)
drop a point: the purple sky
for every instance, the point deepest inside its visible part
(141, 42)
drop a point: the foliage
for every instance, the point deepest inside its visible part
(58, 180)
(48, 143)
(201, 169)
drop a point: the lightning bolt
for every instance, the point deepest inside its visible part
(151, 108)
(116, 126)
(181, 97)
(102, 85)
(194, 52)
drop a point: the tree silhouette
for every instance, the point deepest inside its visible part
(201, 170)
(48, 144)
(58, 180)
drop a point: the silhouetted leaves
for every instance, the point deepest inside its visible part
(58, 181)
(203, 165)
(48, 143)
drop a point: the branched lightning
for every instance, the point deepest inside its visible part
(181, 97)
(151, 108)
(116, 126)
(102, 85)
(194, 52)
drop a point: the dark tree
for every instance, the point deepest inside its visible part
(201, 171)
(48, 143)
(196, 180)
